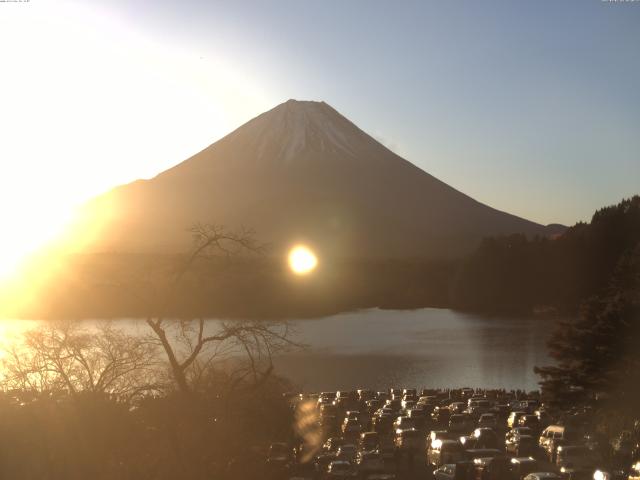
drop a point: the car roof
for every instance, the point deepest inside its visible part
(523, 460)
(544, 474)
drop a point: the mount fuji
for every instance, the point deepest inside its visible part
(302, 172)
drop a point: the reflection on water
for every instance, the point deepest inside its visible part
(427, 347)
(380, 348)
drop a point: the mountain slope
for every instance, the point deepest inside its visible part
(303, 172)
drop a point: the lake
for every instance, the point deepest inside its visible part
(377, 349)
(427, 347)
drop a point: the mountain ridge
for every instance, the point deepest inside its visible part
(303, 172)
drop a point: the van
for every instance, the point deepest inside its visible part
(549, 434)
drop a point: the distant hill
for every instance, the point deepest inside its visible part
(303, 172)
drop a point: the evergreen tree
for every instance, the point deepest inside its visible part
(598, 353)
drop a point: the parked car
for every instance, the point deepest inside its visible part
(387, 448)
(531, 421)
(555, 432)
(457, 407)
(441, 452)
(333, 443)
(522, 466)
(576, 456)
(486, 438)
(523, 446)
(351, 428)
(454, 471)
(512, 421)
(341, 469)
(440, 435)
(404, 423)
(542, 476)
(372, 405)
(441, 416)
(551, 449)
(634, 471)
(322, 461)
(346, 452)
(568, 473)
(478, 407)
(445, 472)
(382, 423)
(419, 418)
(474, 453)
(369, 462)
(488, 420)
(409, 440)
(519, 431)
(369, 441)
(460, 423)
(492, 468)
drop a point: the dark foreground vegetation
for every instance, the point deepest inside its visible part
(504, 275)
(88, 435)
(164, 403)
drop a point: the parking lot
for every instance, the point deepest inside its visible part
(458, 434)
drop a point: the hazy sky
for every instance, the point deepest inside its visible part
(531, 107)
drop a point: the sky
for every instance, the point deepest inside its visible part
(531, 107)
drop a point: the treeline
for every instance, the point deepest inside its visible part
(517, 273)
(259, 287)
(505, 274)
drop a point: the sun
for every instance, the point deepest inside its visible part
(302, 260)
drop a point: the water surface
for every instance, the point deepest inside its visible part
(426, 347)
(377, 349)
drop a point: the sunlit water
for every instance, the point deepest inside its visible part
(427, 347)
(381, 348)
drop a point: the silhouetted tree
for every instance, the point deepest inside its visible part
(598, 360)
(188, 346)
(65, 357)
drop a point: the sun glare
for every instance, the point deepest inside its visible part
(302, 260)
(112, 94)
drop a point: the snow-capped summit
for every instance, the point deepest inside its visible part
(298, 125)
(295, 126)
(304, 172)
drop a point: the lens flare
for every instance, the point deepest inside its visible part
(302, 260)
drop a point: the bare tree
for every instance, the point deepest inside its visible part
(189, 346)
(65, 357)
